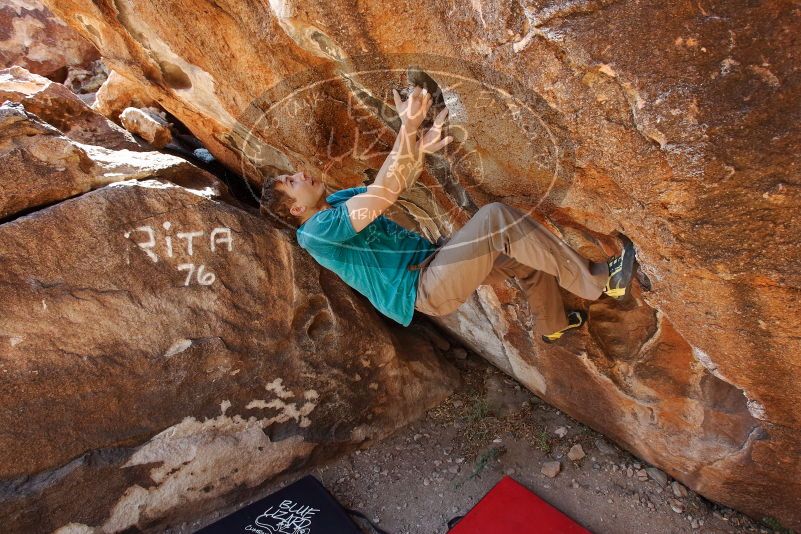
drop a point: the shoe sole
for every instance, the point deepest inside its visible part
(583, 316)
(627, 269)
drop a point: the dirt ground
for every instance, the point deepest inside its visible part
(438, 467)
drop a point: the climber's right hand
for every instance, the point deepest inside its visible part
(413, 111)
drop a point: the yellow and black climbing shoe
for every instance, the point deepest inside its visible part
(575, 318)
(621, 271)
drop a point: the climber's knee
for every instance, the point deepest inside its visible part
(493, 209)
(497, 214)
(493, 206)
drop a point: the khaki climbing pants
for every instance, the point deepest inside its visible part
(500, 242)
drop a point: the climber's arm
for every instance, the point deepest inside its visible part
(404, 164)
(399, 171)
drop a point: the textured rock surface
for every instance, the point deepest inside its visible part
(31, 37)
(676, 124)
(161, 351)
(85, 81)
(147, 124)
(118, 93)
(61, 108)
(40, 166)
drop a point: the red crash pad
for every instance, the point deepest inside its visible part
(510, 508)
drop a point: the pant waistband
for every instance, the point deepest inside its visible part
(422, 265)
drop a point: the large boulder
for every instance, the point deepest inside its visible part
(162, 353)
(673, 123)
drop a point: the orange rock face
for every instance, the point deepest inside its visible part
(676, 124)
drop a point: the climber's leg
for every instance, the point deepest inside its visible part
(503, 268)
(459, 267)
(545, 302)
(541, 290)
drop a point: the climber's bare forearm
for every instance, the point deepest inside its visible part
(398, 173)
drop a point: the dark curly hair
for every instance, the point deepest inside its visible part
(276, 203)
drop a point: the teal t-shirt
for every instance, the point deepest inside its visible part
(374, 261)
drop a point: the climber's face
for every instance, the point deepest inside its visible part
(306, 191)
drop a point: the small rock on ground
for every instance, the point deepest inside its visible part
(657, 475)
(678, 489)
(676, 506)
(551, 469)
(604, 447)
(576, 452)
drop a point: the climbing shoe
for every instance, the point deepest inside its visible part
(621, 271)
(575, 318)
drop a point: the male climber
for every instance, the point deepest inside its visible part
(399, 270)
